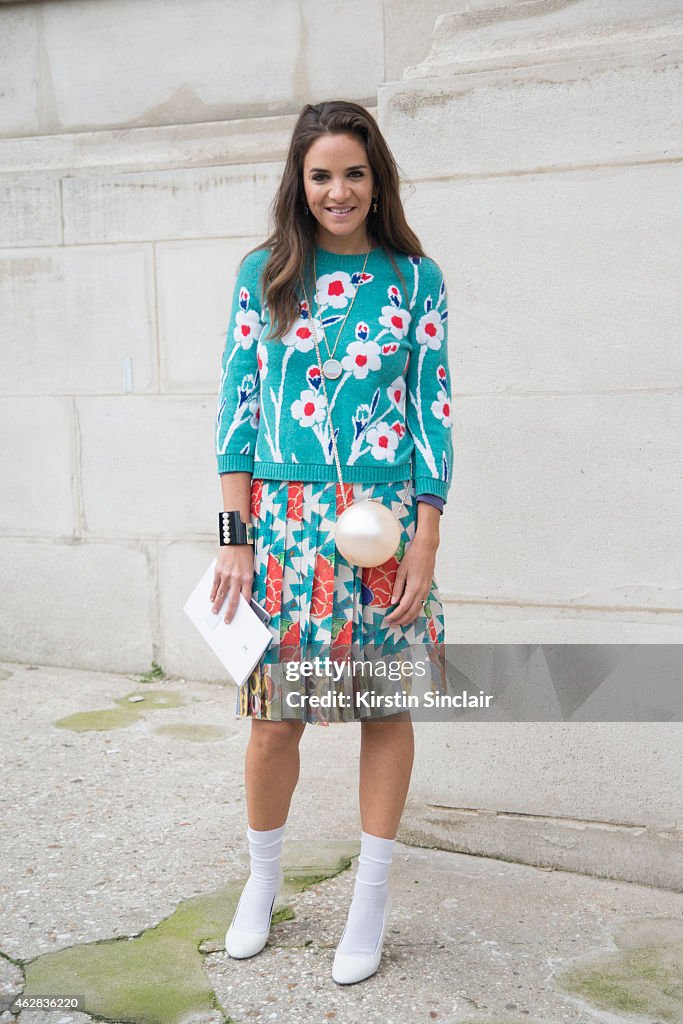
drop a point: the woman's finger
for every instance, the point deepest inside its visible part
(410, 606)
(222, 590)
(399, 584)
(218, 598)
(233, 599)
(406, 603)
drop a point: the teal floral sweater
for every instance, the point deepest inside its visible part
(391, 406)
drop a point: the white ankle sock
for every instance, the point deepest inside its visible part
(371, 888)
(265, 848)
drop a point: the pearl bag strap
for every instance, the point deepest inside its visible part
(329, 421)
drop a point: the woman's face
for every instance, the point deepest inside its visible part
(338, 177)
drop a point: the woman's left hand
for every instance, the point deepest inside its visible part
(415, 572)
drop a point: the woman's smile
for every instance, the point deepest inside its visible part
(340, 211)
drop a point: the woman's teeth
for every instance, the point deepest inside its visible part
(340, 212)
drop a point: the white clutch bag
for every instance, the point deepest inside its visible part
(238, 644)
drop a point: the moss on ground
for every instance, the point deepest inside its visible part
(644, 976)
(127, 713)
(158, 977)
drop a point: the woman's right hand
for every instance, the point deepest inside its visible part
(234, 575)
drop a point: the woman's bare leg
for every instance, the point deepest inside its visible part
(386, 763)
(271, 774)
(271, 771)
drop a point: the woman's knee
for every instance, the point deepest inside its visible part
(276, 736)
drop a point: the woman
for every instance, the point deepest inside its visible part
(342, 275)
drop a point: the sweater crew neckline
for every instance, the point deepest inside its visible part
(345, 259)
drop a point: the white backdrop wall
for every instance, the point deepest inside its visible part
(140, 146)
(544, 141)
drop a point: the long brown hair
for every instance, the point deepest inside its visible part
(293, 239)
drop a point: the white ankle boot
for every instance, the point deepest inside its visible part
(241, 944)
(348, 969)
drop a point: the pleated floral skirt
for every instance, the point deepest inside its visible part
(332, 657)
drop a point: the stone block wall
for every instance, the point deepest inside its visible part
(140, 146)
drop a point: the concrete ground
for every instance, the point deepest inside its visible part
(123, 854)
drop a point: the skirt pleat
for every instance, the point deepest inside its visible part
(322, 605)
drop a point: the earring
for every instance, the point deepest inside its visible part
(374, 206)
(305, 209)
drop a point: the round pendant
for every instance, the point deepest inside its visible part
(332, 369)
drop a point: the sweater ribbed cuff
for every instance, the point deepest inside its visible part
(428, 485)
(235, 463)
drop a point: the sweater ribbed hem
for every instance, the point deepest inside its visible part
(311, 473)
(321, 473)
(350, 474)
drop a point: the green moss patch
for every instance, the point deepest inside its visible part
(157, 977)
(127, 713)
(644, 976)
(100, 721)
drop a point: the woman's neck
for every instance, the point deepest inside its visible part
(343, 246)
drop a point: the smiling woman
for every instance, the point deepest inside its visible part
(339, 194)
(340, 302)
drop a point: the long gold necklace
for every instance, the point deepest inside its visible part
(332, 367)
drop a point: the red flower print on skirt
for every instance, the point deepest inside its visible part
(295, 501)
(380, 579)
(290, 643)
(256, 495)
(323, 587)
(348, 495)
(273, 584)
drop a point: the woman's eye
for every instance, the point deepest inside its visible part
(321, 177)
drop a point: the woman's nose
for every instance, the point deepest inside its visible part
(338, 193)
